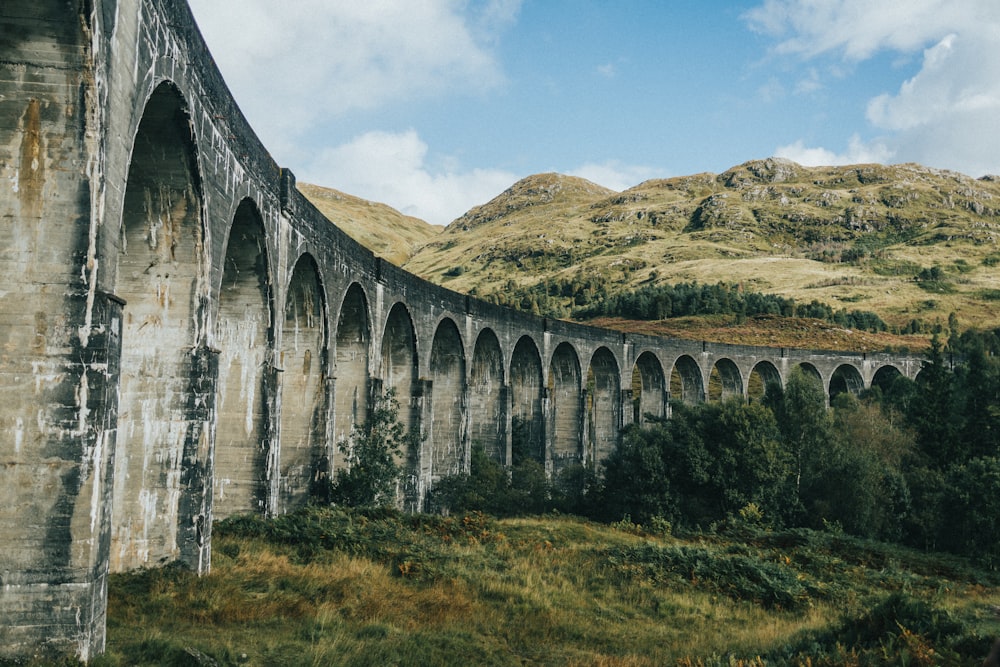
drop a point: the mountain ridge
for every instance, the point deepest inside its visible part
(906, 241)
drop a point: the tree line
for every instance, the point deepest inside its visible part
(915, 463)
(585, 298)
(657, 302)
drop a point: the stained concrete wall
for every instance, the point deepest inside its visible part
(185, 337)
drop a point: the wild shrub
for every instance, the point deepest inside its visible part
(742, 577)
(490, 487)
(371, 475)
(899, 626)
(700, 466)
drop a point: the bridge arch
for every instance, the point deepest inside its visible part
(527, 426)
(604, 404)
(725, 380)
(398, 373)
(885, 376)
(846, 379)
(813, 375)
(649, 388)
(761, 376)
(351, 364)
(565, 407)
(158, 270)
(243, 333)
(446, 431)
(303, 359)
(686, 382)
(811, 371)
(486, 397)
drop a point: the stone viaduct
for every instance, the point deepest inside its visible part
(184, 336)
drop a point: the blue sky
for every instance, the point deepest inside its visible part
(434, 106)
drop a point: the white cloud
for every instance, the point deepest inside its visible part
(945, 115)
(860, 28)
(615, 175)
(858, 152)
(393, 168)
(318, 58)
(810, 83)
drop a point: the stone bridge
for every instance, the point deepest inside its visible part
(185, 337)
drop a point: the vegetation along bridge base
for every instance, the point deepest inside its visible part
(185, 337)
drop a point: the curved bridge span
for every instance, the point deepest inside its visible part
(186, 337)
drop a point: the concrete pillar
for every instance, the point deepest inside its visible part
(194, 510)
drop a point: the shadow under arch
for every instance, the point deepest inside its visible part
(398, 373)
(565, 407)
(649, 389)
(763, 375)
(244, 463)
(351, 365)
(159, 265)
(725, 381)
(885, 376)
(685, 381)
(486, 397)
(604, 404)
(846, 379)
(446, 432)
(303, 360)
(527, 435)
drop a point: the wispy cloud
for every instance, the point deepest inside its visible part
(319, 59)
(945, 115)
(615, 175)
(393, 168)
(858, 152)
(320, 62)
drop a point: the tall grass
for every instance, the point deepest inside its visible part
(328, 587)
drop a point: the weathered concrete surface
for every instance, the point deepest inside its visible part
(184, 337)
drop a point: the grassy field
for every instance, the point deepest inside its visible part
(327, 587)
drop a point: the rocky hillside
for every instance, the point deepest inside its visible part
(907, 242)
(380, 228)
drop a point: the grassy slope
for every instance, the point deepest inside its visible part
(772, 225)
(330, 588)
(380, 228)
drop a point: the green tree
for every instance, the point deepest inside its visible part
(979, 387)
(857, 475)
(933, 412)
(806, 427)
(749, 462)
(371, 475)
(974, 503)
(491, 488)
(636, 481)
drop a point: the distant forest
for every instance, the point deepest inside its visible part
(588, 298)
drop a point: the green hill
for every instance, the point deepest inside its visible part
(906, 241)
(380, 228)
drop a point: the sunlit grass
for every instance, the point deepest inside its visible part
(554, 591)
